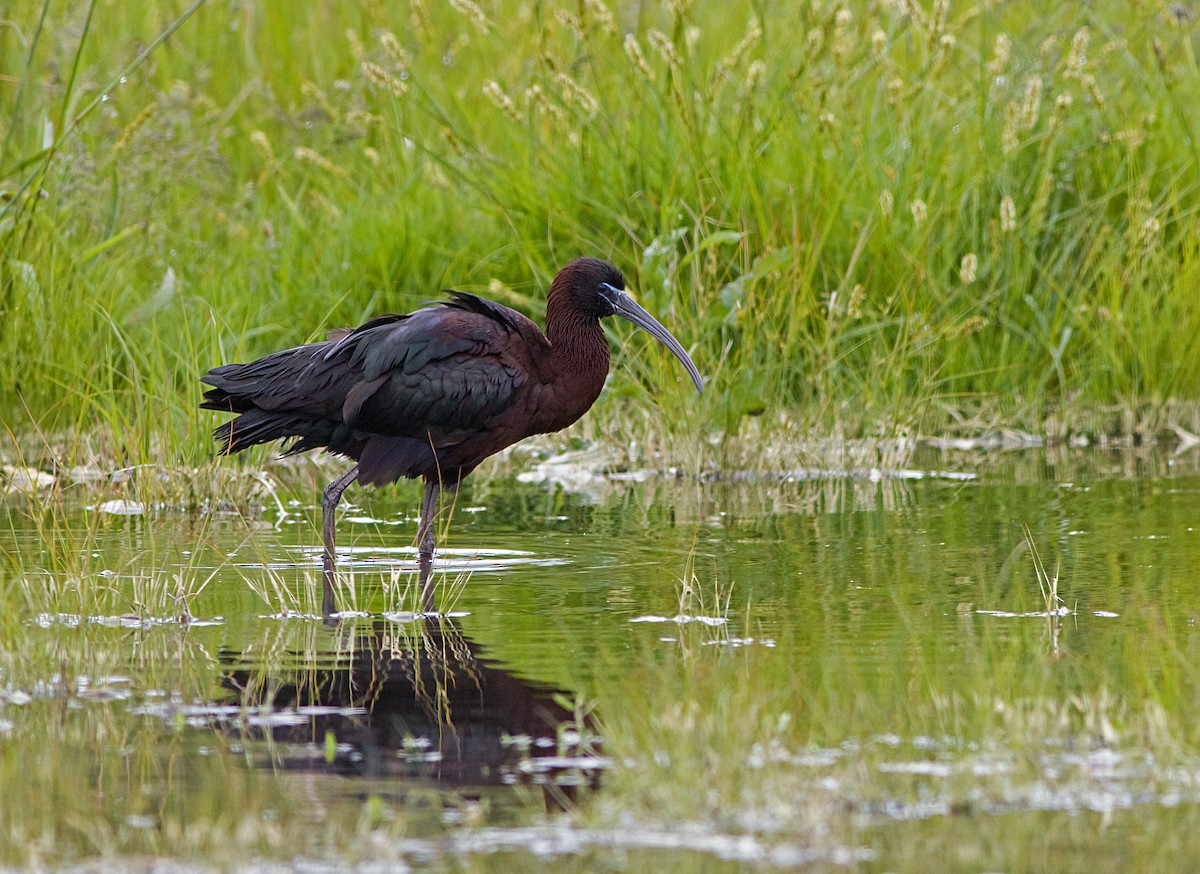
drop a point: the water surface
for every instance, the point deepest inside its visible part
(808, 669)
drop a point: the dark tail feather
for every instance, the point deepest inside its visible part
(260, 426)
(223, 396)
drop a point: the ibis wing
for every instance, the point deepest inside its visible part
(302, 381)
(439, 371)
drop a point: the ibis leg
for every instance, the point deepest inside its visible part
(329, 502)
(425, 542)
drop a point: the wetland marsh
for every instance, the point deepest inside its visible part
(802, 620)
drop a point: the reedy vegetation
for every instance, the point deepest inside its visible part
(873, 218)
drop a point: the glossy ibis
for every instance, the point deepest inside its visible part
(434, 392)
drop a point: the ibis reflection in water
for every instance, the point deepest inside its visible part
(434, 392)
(415, 701)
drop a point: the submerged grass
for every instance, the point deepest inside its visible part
(1047, 583)
(909, 218)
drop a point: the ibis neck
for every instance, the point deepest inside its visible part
(578, 357)
(578, 343)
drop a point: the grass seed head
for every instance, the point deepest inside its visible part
(381, 78)
(1048, 49)
(358, 116)
(132, 128)
(966, 270)
(1077, 57)
(1032, 103)
(1001, 52)
(420, 16)
(1012, 115)
(633, 51)
(970, 325)
(1089, 84)
(920, 211)
(577, 94)
(913, 10)
(745, 45)
(679, 8)
(397, 52)
(1062, 104)
(1132, 137)
(312, 156)
(878, 45)
(1008, 215)
(571, 22)
(535, 98)
(502, 101)
(755, 75)
(317, 96)
(665, 48)
(473, 13)
(1149, 233)
(602, 15)
(854, 306)
(843, 36)
(263, 144)
(453, 140)
(356, 45)
(941, 10)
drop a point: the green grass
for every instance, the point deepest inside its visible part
(906, 219)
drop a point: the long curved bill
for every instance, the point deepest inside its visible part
(627, 308)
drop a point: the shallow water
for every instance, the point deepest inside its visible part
(815, 670)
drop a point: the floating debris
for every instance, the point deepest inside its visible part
(389, 558)
(412, 616)
(681, 619)
(121, 507)
(1036, 614)
(807, 474)
(577, 472)
(932, 769)
(736, 642)
(547, 842)
(125, 620)
(26, 479)
(1006, 439)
